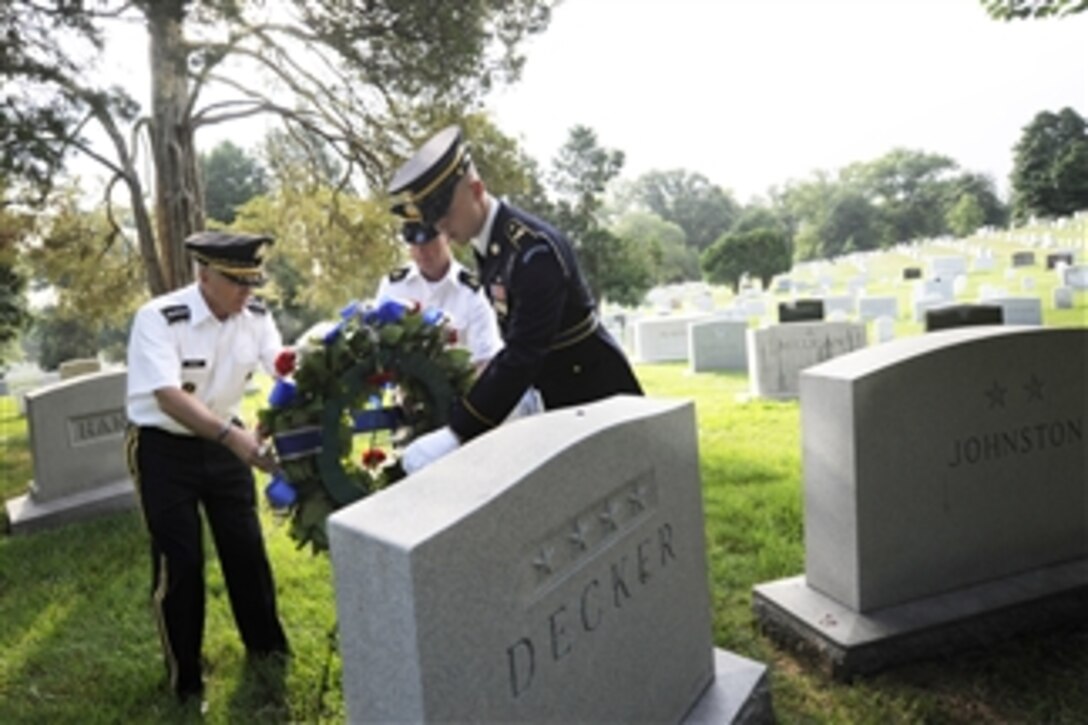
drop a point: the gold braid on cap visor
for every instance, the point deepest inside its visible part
(243, 272)
(410, 202)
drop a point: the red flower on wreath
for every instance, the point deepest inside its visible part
(381, 378)
(451, 336)
(373, 457)
(285, 362)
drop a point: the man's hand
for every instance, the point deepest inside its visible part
(429, 448)
(247, 446)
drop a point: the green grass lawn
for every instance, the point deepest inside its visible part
(78, 642)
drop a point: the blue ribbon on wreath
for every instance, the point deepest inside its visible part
(307, 441)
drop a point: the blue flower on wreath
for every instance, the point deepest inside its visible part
(334, 334)
(280, 493)
(433, 316)
(388, 311)
(282, 394)
(350, 310)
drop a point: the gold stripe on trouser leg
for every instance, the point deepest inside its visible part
(160, 621)
(132, 438)
(132, 443)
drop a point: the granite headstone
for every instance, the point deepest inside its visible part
(566, 583)
(76, 430)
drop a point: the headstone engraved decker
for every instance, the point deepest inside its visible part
(553, 570)
(76, 430)
(944, 481)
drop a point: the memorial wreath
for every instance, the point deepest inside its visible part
(388, 372)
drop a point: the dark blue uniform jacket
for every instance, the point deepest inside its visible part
(553, 338)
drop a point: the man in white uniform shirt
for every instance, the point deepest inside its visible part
(190, 355)
(434, 278)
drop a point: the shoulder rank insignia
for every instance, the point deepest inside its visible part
(468, 279)
(517, 230)
(398, 274)
(256, 306)
(175, 313)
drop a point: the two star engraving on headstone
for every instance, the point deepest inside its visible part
(997, 393)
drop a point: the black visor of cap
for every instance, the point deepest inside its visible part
(418, 232)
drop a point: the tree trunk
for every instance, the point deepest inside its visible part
(178, 204)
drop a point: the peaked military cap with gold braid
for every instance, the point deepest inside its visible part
(423, 186)
(236, 256)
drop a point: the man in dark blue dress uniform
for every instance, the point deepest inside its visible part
(554, 340)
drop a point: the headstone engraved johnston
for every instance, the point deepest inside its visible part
(945, 496)
(76, 429)
(552, 570)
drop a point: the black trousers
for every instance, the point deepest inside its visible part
(175, 477)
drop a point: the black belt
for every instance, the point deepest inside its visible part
(185, 437)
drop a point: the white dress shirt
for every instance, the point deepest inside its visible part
(177, 342)
(468, 309)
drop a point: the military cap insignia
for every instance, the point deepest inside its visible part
(256, 306)
(468, 279)
(236, 256)
(399, 273)
(189, 386)
(425, 182)
(175, 313)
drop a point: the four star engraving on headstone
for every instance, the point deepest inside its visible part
(577, 535)
(543, 561)
(592, 528)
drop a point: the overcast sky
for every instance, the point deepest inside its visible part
(752, 93)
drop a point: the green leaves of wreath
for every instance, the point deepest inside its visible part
(387, 372)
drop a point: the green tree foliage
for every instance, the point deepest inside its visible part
(621, 273)
(614, 268)
(509, 171)
(94, 268)
(330, 247)
(1050, 166)
(852, 224)
(761, 253)
(994, 211)
(663, 243)
(14, 315)
(231, 178)
(58, 337)
(900, 196)
(966, 216)
(907, 186)
(1023, 9)
(690, 201)
(343, 71)
(756, 216)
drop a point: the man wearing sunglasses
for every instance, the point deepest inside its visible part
(191, 353)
